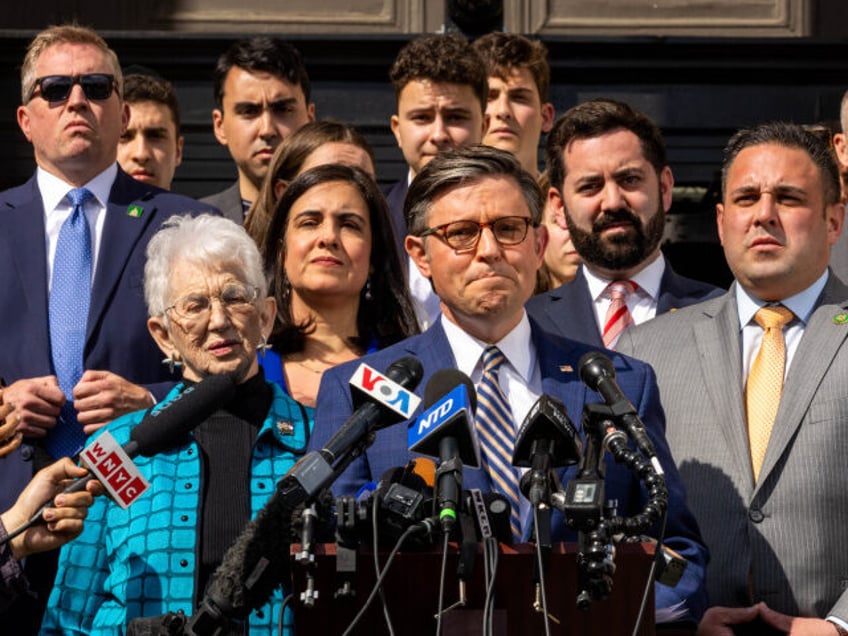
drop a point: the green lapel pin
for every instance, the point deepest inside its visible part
(135, 211)
(841, 318)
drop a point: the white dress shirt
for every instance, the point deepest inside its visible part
(57, 209)
(801, 304)
(519, 377)
(642, 303)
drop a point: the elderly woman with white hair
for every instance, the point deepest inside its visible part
(209, 313)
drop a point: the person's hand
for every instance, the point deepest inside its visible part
(10, 436)
(101, 396)
(795, 625)
(64, 522)
(37, 403)
(719, 621)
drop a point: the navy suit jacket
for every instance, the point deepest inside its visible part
(558, 362)
(117, 338)
(567, 310)
(395, 195)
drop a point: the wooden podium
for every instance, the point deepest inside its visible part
(412, 588)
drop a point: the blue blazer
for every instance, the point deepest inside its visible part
(558, 360)
(117, 338)
(567, 310)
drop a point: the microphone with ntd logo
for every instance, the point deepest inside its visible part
(446, 430)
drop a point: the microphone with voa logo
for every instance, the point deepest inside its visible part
(598, 373)
(383, 399)
(159, 430)
(446, 430)
(547, 439)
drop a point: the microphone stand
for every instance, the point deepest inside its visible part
(537, 484)
(582, 505)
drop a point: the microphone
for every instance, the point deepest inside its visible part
(379, 402)
(386, 400)
(547, 429)
(547, 439)
(251, 568)
(258, 560)
(159, 430)
(597, 373)
(446, 430)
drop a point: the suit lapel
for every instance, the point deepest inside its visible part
(669, 291)
(572, 304)
(821, 342)
(25, 233)
(558, 366)
(121, 233)
(717, 339)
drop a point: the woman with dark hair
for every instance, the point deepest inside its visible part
(315, 144)
(336, 275)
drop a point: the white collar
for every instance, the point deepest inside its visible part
(648, 280)
(54, 189)
(517, 347)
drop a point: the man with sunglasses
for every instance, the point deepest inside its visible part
(475, 234)
(76, 350)
(612, 186)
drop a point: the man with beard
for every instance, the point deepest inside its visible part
(611, 181)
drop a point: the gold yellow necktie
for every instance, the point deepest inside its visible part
(765, 381)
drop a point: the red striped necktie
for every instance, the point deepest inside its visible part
(618, 315)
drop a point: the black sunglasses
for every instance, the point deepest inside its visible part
(57, 88)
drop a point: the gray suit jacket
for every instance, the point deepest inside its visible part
(788, 532)
(229, 202)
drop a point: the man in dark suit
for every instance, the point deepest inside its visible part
(73, 115)
(475, 233)
(764, 462)
(261, 96)
(611, 185)
(441, 90)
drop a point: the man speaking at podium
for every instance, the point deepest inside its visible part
(473, 216)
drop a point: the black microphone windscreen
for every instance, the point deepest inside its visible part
(165, 427)
(594, 367)
(407, 372)
(443, 382)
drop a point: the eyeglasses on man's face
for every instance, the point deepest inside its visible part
(234, 299)
(463, 236)
(57, 88)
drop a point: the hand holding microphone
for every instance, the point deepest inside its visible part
(63, 521)
(160, 430)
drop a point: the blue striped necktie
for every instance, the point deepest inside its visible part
(496, 430)
(70, 294)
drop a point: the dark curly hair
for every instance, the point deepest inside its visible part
(441, 58)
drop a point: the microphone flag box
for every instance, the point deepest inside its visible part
(370, 383)
(451, 415)
(111, 465)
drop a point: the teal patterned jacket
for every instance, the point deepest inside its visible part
(141, 561)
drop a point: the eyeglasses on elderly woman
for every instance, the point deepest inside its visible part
(233, 298)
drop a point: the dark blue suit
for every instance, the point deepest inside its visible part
(117, 338)
(557, 359)
(395, 196)
(567, 310)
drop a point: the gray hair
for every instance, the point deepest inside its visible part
(789, 135)
(205, 240)
(465, 166)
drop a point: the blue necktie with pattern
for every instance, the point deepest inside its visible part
(496, 431)
(70, 294)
